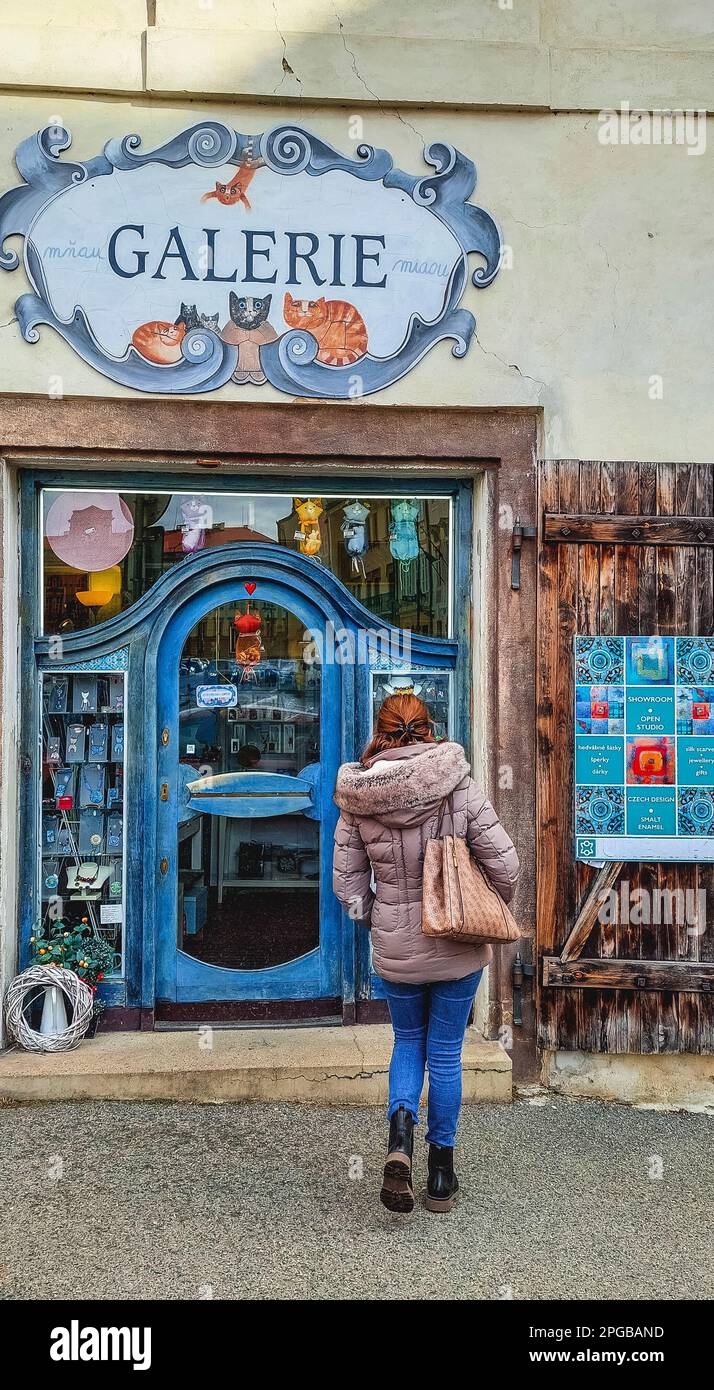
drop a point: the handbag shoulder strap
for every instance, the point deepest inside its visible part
(446, 801)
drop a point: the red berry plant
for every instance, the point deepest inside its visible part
(76, 948)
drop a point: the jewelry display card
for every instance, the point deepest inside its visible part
(98, 743)
(54, 749)
(91, 831)
(50, 825)
(64, 785)
(117, 743)
(115, 879)
(64, 838)
(84, 695)
(57, 694)
(91, 785)
(115, 832)
(116, 694)
(76, 738)
(50, 878)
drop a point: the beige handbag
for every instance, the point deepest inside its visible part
(458, 902)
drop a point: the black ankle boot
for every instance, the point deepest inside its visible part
(442, 1184)
(397, 1193)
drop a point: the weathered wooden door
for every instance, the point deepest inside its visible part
(625, 548)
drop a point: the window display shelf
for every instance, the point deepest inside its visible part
(81, 803)
(269, 883)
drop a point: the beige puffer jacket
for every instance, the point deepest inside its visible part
(388, 811)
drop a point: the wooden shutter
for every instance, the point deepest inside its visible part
(625, 548)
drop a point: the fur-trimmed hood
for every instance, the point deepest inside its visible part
(402, 779)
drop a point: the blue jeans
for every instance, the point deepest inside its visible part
(429, 1023)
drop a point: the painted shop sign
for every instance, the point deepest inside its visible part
(644, 748)
(222, 257)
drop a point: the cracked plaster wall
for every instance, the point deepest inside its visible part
(606, 283)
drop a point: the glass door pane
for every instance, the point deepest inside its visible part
(248, 883)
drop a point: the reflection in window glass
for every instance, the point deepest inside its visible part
(248, 894)
(103, 550)
(433, 687)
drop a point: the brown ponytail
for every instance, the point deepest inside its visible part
(402, 719)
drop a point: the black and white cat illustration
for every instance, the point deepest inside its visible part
(248, 329)
(191, 318)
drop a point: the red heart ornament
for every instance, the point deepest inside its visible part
(249, 588)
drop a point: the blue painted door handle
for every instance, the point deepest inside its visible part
(251, 794)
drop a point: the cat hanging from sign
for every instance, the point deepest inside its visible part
(234, 192)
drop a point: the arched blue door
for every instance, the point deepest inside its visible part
(247, 761)
(228, 806)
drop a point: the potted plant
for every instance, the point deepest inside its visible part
(77, 949)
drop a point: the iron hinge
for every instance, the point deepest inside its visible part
(521, 533)
(520, 971)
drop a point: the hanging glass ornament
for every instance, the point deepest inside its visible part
(354, 533)
(196, 518)
(249, 644)
(309, 535)
(403, 538)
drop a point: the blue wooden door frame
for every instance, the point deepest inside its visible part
(137, 634)
(182, 978)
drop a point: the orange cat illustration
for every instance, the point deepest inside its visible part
(340, 330)
(159, 342)
(234, 192)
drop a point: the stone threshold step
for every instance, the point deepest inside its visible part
(326, 1066)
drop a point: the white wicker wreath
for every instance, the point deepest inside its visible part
(78, 994)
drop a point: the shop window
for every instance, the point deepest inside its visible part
(103, 550)
(82, 841)
(434, 687)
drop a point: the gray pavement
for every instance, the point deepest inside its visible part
(142, 1200)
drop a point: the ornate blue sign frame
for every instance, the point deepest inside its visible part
(290, 361)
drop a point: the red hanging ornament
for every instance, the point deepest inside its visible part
(249, 646)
